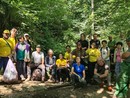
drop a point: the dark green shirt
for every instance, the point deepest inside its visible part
(111, 44)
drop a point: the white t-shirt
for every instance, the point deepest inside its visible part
(37, 57)
(104, 53)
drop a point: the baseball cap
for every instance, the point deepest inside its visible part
(6, 32)
(38, 46)
(26, 34)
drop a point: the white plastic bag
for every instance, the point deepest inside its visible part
(10, 74)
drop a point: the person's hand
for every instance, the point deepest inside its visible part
(10, 56)
(50, 67)
(84, 48)
(82, 57)
(28, 60)
(100, 76)
(83, 79)
(25, 60)
(67, 65)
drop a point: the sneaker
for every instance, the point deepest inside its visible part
(22, 77)
(60, 82)
(49, 80)
(27, 79)
(109, 88)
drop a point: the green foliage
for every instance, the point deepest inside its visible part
(57, 23)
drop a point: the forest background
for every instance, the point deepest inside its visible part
(57, 23)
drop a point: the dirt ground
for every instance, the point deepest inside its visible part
(35, 89)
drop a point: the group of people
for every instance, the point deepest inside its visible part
(89, 62)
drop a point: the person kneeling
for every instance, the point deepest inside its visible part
(101, 73)
(78, 73)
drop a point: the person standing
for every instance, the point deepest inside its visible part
(27, 41)
(111, 45)
(83, 41)
(14, 40)
(6, 48)
(122, 84)
(22, 55)
(12, 37)
(93, 54)
(79, 52)
(95, 40)
(117, 58)
(105, 52)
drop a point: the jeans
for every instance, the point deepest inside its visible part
(117, 69)
(3, 62)
(20, 67)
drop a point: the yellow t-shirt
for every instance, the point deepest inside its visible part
(61, 63)
(93, 54)
(67, 56)
(14, 41)
(5, 50)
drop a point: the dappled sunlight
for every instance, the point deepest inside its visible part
(4, 90)
(31, 88)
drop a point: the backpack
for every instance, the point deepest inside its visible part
(106, 49)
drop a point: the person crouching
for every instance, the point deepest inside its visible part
(101, 73)
(78, 73)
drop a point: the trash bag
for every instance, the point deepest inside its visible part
(10, 74)
(37, 75)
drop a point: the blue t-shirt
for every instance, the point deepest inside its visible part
(78, 69)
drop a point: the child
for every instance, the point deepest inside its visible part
(22, 55)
